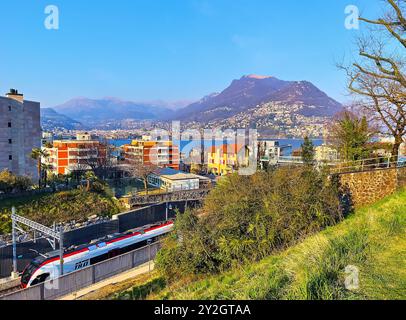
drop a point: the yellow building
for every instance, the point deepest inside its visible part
(325, 153)
(223, 160)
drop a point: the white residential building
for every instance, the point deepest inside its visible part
(173, 180)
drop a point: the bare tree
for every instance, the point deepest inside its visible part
(141, 171)
(99, 159)
(78, 170)
(379, 76)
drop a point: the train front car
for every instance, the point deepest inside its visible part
(29, 271)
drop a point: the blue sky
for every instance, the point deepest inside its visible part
(171, 49)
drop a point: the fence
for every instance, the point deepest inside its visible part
(78, 280)
(185, 195)
(151, 214)
(87, 233)
(367, 165)
(26, 252)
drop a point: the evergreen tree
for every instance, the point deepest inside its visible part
(350, 134)
(308, 151)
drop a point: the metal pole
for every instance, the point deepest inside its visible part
(13, 210)
(149, 255)
(61, 250)
(166, 212)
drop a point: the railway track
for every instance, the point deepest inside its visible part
(9, 290)
(9, 287)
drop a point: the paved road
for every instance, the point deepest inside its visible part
(116, 279)
(9, 285)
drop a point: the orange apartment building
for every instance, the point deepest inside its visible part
(67, 156)
(160, 153)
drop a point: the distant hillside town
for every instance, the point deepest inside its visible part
(277, 107)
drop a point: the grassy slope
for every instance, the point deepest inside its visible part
(62, 206)
(373, 240)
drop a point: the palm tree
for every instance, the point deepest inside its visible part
(45, 169)
(38, 154)
(89, 176)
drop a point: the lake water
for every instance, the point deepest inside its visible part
(187, 146)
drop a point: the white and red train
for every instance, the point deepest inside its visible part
(47, 268)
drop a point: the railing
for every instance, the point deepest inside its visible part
(290, 159)
(366, 165)
(185, 195)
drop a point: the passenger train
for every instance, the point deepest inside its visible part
(47, 267)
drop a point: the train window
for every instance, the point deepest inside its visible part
(40, 279)
(102, 245)
(92, 248)
(113, 253)
(28, 272)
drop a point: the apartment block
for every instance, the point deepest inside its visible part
(20, 132)
(160, 153)
(67, 156)
(225, 159)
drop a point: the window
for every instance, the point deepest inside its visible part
(9, 124)
(9, 108)
(10, 157)
(10, 141)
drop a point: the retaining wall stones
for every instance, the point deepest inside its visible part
(370, 186)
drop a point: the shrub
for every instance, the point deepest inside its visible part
(248, 218)
(9, 182)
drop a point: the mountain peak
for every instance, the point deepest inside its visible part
(256, 76)
(253, 90)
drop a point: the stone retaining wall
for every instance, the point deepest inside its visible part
(402, 177)
(370, 186)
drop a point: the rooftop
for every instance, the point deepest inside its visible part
(173, 174)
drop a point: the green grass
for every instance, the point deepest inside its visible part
(373, 240)
(142, 291)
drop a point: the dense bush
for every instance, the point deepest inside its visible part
(5, 222)
(248, 218)
(11, 183)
